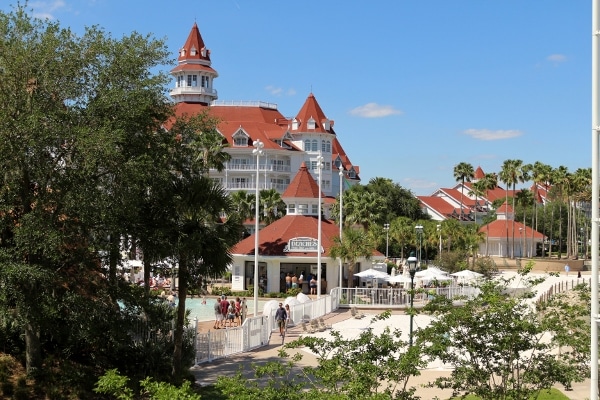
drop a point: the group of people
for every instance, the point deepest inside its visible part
(292, 281)
(229, 313)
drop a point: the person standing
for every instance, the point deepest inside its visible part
(218, 315)
(281, 317)
(224, 308)
(313, 285)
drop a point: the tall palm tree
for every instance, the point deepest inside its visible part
(560, 182)
(511, 174)
(540, 174)
(357, 243)
(463, 172)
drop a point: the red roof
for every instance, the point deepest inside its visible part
(274, 237)
(311, 109)
(504, 228)
(194, 42)
(302, 186)
(479, 174)
(438, 204)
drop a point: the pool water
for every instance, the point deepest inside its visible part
(205, 312)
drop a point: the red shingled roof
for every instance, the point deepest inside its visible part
(438, 204)
(311, 109)
(502, 228)
(194, 41)
(302, 186)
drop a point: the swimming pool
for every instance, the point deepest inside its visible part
(205, 312)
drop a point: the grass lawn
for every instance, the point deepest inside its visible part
(552, 394)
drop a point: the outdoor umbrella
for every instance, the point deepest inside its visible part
(399, 279)
(467, 275)
(372, 274)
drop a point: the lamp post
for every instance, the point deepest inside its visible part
(386, 227)
(439, 229)
(258, 151)
(419, 229)
(319, 168)
(341, 173)
(521, 234)
(412, 268)
(581, 239)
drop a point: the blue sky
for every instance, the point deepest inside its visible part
(414, 86)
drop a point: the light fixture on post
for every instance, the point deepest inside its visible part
(341, 173)
(521, 234)
(439, 229)
(419, 229)
(319, 169)
(412, 269)
(386, 228)
(258, 151)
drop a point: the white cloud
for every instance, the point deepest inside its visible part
(556, 58)
(374, 110)
(46, 9)
(277, 91)
(419, 183)
(487, 134)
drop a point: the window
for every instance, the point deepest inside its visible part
(327, 166)
(315, 209)
(240, 141)
(240, 163)
(328, 147)
(192, 80)
(307, 145)
(315, 144)
(311, 123)
(291, 208)
(180, 81)
(323, 146)
(302, 208)
(313, 165)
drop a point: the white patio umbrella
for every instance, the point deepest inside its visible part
(372, 274)
(430, 275)
(398, 279)
(467, 275)
(302, 298)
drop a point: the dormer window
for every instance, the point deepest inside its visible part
(351, 173)
(295, 124)
(326, 124)
(240, 139)
(311, 123)
(193, 51)
(203, 52)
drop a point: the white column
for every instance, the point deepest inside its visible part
(595, 194)
(341, 219)
(319, 168)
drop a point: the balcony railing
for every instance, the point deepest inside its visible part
(267, 168)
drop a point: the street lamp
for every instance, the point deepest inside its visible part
(386, 227)
(419, 229)
(258, 151)
(341, 173)
(412, 268)
(521, 233)
(439, 229)
(582, 239)
(319, 168)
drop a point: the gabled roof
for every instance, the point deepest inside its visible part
(302, 186)
(311, 109)
(438, 205)
(505, 208)
(503, 228)
(455, 194)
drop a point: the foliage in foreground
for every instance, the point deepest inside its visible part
(500, 346)
(366, 367)
(115, 385)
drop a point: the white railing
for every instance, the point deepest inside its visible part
(252, 168)
(395, 298)
(255, 332)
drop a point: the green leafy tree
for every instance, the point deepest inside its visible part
(356, 243)
(362, 207)
(272, 206)
(369, 366)
(498, 345)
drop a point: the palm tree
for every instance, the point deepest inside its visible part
(362, 207)
(357, 243)
(272, 206)
(402, 232)
(540, 174)
(511, 174)
(243, 204)
(463, 172)
(560, 182)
